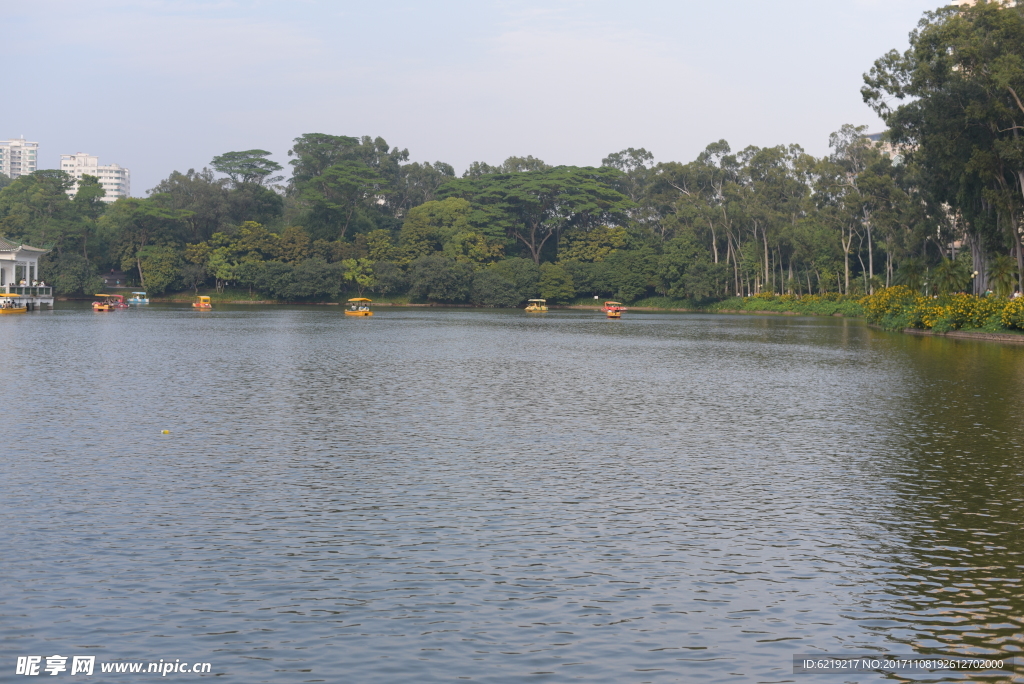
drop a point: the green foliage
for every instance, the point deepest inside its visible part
(250, 167)
(807, 305)
(492, 288)
(440, 279)
(1002, 275)
(444, 226)
(534, 206)
(951, 276)
(160, 266)
(359, 272)
(69, 274)
(340, 195)
(556, 283)
(899, 307)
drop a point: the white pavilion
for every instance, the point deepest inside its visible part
(19, 273)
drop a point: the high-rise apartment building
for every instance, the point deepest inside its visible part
(116, 180)
(18, 157)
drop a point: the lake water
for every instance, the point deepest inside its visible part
(461, 495)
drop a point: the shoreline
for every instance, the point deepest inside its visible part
(1004, 338)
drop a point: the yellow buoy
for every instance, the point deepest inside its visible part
(166, 432)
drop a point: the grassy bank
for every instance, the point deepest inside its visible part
(806, 305)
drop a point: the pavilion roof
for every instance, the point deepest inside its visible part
(8, 246)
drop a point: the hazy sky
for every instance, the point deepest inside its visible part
(163, 85)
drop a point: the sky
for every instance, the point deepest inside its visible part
(164, 85)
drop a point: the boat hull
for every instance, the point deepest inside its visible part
(15, 310)
(358, 313)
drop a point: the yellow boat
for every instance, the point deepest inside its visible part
(613, 309)
(202, 302)
(109, 302)
(9, 305)
(359, 306)
(537, 306)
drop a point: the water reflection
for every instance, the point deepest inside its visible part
(437, 494)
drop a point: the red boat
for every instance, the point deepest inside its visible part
(110, 302)
(613, 309)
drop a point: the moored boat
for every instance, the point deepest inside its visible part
(138, 298)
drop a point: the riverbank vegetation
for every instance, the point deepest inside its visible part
(934, 205)
(900, 307)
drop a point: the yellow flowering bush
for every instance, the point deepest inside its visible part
(1012, 315)
(899, 307)
(888, 302)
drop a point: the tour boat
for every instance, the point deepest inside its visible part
(9, 305)
(202, 302)
(537, 306)
(613, 309)
(109, 302)
(138, 298)
(359, 306)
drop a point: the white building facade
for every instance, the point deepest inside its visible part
(18, 157)
(115, 179)
(19, 274)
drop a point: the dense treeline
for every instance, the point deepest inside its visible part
(937, 206)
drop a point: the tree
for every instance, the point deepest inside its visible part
(250, 167)
(197, 192)
(635, 166)
(960, 114)
(418, 183)
(1002, 275)
(506, 283)
(440, 279)
(336, 195)
(36, 209)
(161, 266)
(535, 206)
(359, 272)
(136, 224)
(951, 276)
(446, 226)
(510, 165)
(556, 283)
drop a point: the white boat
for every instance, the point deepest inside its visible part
(138, 298)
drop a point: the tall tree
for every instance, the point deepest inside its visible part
(958, 112)
(250, 167)
(534, 207)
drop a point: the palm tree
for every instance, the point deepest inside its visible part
(1002, 274)
(951, 276)
(911, 274)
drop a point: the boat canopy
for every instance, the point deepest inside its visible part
(613, 303)
(360, 299)
(542, 301)
(142, 293)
